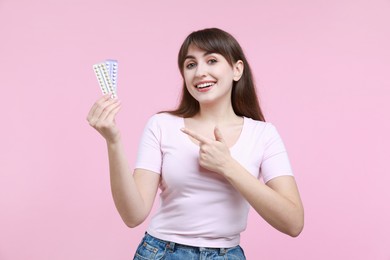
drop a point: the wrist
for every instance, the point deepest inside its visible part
(230, 168)
(114, 141)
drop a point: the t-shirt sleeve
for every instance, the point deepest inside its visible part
(149, 156)
(275, 161)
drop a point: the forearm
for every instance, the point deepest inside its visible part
(127, 198)
(279, 211)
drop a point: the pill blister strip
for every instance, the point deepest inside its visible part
(112, 66)
(107, 73)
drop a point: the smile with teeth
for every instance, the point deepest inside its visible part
(205, 85)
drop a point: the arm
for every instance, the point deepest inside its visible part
(277, 201)
(133, 194)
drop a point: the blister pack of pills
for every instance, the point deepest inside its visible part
(107, 75)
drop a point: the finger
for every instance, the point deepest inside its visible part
(200, 138)
(104, 97)
(98, 102)
(115, 109)
(102, 106)
(218, 135)
(107, 110)
(101, 101)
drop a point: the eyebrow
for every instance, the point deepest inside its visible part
(192, 57)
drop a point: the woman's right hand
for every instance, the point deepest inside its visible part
(102, 118)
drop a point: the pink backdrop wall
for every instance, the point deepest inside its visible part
(322, 69)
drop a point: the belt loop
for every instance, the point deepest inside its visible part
(171, 246)
(222, 251)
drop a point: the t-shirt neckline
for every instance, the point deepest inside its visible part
(238, 141)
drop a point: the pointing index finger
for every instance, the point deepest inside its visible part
(200, 138)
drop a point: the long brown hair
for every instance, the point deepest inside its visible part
(244, 98)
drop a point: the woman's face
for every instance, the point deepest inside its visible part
(208, 76)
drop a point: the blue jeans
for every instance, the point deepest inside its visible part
(153, 248)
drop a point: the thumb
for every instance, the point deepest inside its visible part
(218, 135)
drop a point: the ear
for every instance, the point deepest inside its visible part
(238, 69)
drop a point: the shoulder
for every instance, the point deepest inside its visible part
(161, 120)
(260, 127)
(260, 132)
(164, 117)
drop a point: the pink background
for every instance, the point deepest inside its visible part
(322, 69)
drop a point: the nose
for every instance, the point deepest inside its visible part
(201, 70)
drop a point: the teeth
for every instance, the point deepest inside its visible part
(204, 85)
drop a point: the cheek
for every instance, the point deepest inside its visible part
(187, 84)
(187, 78)
(229, 75)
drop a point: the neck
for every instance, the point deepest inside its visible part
(216, 113)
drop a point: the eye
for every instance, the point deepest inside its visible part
(212, 61)
(190, 65)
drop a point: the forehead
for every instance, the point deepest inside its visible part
(193, 48)
(196, 52)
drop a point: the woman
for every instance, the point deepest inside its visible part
(206, 156)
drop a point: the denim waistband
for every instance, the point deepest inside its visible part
(172, 245)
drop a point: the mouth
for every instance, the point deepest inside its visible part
(205, 86)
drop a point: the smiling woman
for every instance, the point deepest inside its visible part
(210, 73)
(218, 42)
(207, 157)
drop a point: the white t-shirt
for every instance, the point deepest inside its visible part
(199, 207)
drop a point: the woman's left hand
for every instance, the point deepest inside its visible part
(214, 155)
